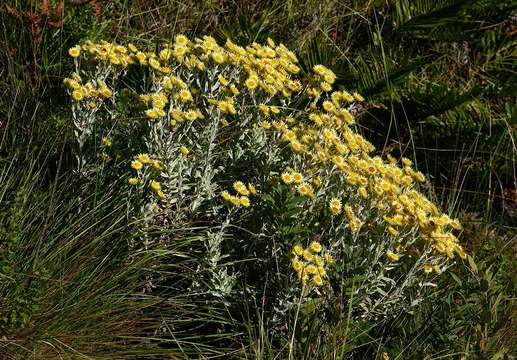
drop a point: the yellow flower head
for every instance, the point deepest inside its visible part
(218, 57)
(132, 181)
(77, 95)
(428, 268)
(235, 200)
(297, 177)
(252, 82)
(137, 165)
(157, 165)
(298, 250)
(181, 40)
(245, 201)
(144, 158)
(226, 195)
(252, 189)
(152, 113)
(325, 86)
(319, 69)
(307, 255)
(106, 141)
(184, 151)
(311, 270)
(317, 280)
(335, 206)
(74, 51)
(222, 80)
(392, 256)
(155, 185)
(328, 106)
(241, 188)
(185, 95)
(287, 178)
(315, 247)
(305, 189)
(358, 97)
(297, 265)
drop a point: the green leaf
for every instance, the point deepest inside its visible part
(472, 264)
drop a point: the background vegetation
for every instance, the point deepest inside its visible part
(440, 82)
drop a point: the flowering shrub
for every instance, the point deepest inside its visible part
(241, 139)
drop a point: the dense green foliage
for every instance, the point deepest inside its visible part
(440, 81)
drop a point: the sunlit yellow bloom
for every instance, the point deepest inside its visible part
(218, 57)
(235, 200)
(319, 69)
(241, 188)
(105, 92)
(358, 97)
(184, 151)
(321, 270)
(325, 86)
(335, 206)
(392, 256)
(251, 83)
(428, 268)
(245, 201)
(305, 189)
(297, 265)
(144, 158)
(393, 231)
(328, 106)
(132, 181)
(317, 280)
(311, 269)
(287, 178)
(137, 165)
(106, 141)
(77, 95)
(226, 195)
(152, 113)
(181, 40)
(185, 95)
(307, 255)
(297, 177)
(157, 165)
(252, 189)
(315, 247)
(74, 51)
(155, 185)
(298, 250)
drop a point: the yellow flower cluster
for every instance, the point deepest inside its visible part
(309, 263)
(294, 177)
(92, 91)
(244, 192)
(139, 163)
(326, 140)
(323, 135)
